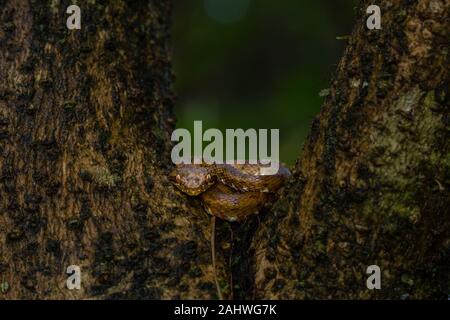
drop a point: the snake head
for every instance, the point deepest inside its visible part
(192, 179)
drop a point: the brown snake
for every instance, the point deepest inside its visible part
(229, 191)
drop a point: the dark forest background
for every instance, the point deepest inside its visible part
(257, 64)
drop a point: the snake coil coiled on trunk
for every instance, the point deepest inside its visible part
(229, 191)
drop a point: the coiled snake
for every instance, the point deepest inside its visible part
(231, 192)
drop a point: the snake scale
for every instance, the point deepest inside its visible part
(231, 192)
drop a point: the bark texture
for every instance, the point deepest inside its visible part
(372, 183)
(85, 122)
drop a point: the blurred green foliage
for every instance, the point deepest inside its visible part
(257, 63)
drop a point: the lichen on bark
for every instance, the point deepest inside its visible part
(371, 184)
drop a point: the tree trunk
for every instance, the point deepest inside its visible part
(372, 184)
(85, 123)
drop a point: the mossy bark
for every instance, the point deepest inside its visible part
(372, 184)
(85, 123)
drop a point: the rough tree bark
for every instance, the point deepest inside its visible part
(372, 183)
(85, 122)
